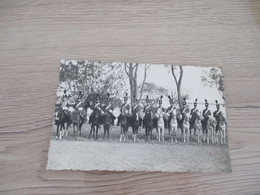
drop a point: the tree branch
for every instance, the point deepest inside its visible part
(141, 92)
(173, 74)
(181, 74)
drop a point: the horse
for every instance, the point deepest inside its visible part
(135, 122)
(185, 127)
(95, 121)
(197, 126)
(107, 120)
(76, 120)
(210, 130)
(58, 115)
(179, 120)
(173, 125)
(148, 124)
(160, 125)
(123, 120)
(61, 117)
(221, 129)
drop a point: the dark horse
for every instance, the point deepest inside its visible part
(95, 121)
(148, 124)
(60, 119)
(107, 120)
(135, 122)
(123, 120)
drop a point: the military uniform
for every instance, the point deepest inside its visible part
(136, 111)
(193, 114)
(147, 113)
(124, 110)
(218, 116)
(97, 107)
(108, 109)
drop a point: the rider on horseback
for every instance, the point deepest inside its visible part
(136, 110)
(96, 107)
(148, 108)
(148, 118)
(218, 116)
(108, 109)
(124, 110)
(221, 124)
(205, 114)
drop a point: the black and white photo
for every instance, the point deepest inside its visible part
(120, 116)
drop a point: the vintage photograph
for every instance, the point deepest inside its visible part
(120, 116)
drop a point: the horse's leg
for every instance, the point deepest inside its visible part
(216, 137)
(163, 133)
(171, 132)
(57, 131)
(184, 136)
(124, 132)
(59, 134)
(224, 136)
(97, 132)
(221, 136)
(134, 129)
(207, 135)
(108, 129)
(91, 129)
(175, 133)
(121, 133)
(197, 130)
(104, 131)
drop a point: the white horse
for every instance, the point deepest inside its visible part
(160, 114)
(210, 131)
(186, 127)
(173, 124)
(198, 126)
(221, 130)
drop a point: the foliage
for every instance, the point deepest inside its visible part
(214, 78)
(93, 77)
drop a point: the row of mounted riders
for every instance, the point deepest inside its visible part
(206, 127)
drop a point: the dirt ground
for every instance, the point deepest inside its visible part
(103, 154)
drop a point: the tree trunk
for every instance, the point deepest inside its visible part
(178, 84)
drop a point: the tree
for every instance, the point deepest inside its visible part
(178, 82)
(146, 67)
(93, 77)
(214, 78)
(131, 72)
(153, 91)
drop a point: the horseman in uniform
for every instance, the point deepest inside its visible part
(193, 114)
(172, 107)
(124, 110)
(218, 116)
(108, 109)
(205, 114)
(96, 107)
(147, 108)
(184, 109)
(136, 110)
(147, 113)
